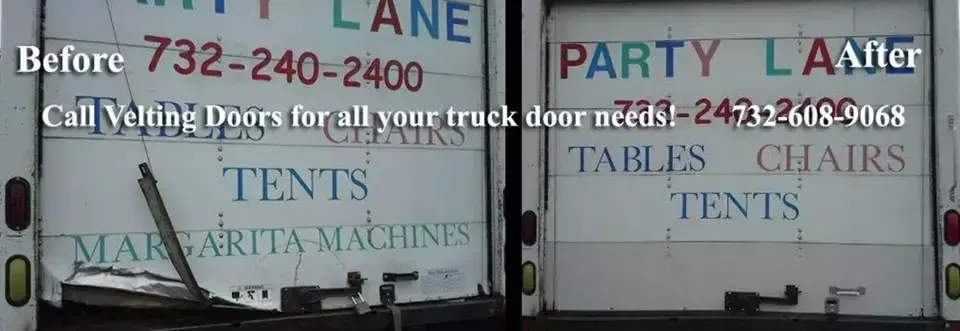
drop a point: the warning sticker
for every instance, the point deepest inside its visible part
(250, 294)
(442, 280)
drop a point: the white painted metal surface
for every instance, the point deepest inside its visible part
(18, 95)
(630, 230)
(946, 39)
(532, 193)
(399, 201)
(496, 59)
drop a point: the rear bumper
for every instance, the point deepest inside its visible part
(480, 311)
(656, 321)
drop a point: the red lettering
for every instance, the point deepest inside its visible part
(828, 156)
(819, 48)
(328, 127)
(379, 18)
(870, 154)
(859, 158)
(760, 157)
(705, 57)
(265, 9)
(896, 157)
(803, 160)
(566, 62)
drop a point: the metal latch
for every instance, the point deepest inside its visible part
(853, 292)
(831, 306)
(750, 301)
(388, 294)
(400, 277)
(309, 298)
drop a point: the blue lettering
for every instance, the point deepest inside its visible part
(267, 183)
(684, 200)
(790, 202)
(453, 21)
(861, 56)
(601, 52)
(240, 196)
(279, 184)
(891, 44)
(736, 205)
(431, 23)
(679, 158)
(605, 158)
(359, 182)
(668, 46)
(627, 158)
(308, 188)
(696, 153)
(334, 191)
(581, 158)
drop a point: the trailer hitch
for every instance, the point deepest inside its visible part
(750, 301)
(310, 298)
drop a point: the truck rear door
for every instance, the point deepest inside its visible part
(260, 209)
(673, 219)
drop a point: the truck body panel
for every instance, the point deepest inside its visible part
(669, 220)
(259, 209)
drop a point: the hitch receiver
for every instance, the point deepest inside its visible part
(750, 301)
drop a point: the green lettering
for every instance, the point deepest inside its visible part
(233, 241)
(448, 231)
(465, 232)
(187, 248)
(253, 242)
(640, 60)
(370, 237)
(209, 242)
(126, 246)
(155, 246)
(393, 244)
(98, 248)
(355, 237)
(294, 239)
(413, 231)
(273, 238)
(432, 235)
(324, 240)
(772, 69)
(338, 21)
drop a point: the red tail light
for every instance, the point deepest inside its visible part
(17, 204)
(528, 228)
